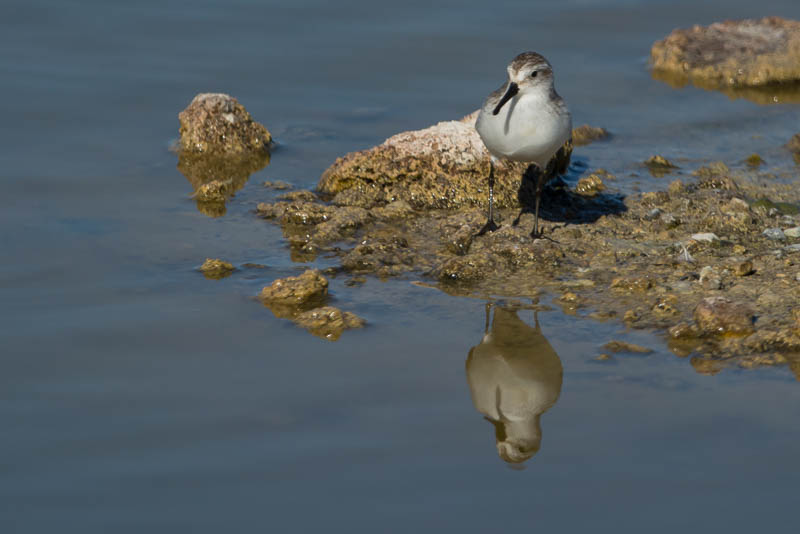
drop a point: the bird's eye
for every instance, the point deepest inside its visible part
(534, 74)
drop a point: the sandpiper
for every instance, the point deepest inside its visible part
(524, 120)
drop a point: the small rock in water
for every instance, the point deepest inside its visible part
(216, 122)
(297, 290)
(659, 161)
(776, 234)
(792, 232)
(754, 160)
(603, 358)
(277, 185)
(707, 237)
(216, 269)
(659, 166)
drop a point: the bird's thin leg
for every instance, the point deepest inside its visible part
(490, 225)
(488, 314)
(539, 187)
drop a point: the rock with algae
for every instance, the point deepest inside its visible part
(216, 122)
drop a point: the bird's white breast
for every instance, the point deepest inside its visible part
(529, 127)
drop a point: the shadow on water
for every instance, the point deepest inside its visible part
(216, 178)
(514, 376)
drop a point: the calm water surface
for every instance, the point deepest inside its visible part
(139, 396)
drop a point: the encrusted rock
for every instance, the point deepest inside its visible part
(216, 122)
(388, 256)
(731, 53)
(328, 322)
(296, 291)
(443, 166)
(216, 269)
(720, 315)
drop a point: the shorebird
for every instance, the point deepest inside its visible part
(524, 120)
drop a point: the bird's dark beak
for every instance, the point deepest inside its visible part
(512, 90)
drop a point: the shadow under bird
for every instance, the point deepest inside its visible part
(514, 376)
(524, 120)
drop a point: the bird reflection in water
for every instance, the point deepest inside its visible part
(514, 377)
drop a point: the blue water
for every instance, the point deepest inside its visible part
(139, 396)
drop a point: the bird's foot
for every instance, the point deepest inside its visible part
(490, 226)
(538, 234)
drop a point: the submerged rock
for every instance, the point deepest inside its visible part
(328, 322)
(754, 160)
(659, 165)
(731, 53)
(622, 346)
(216, 122)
